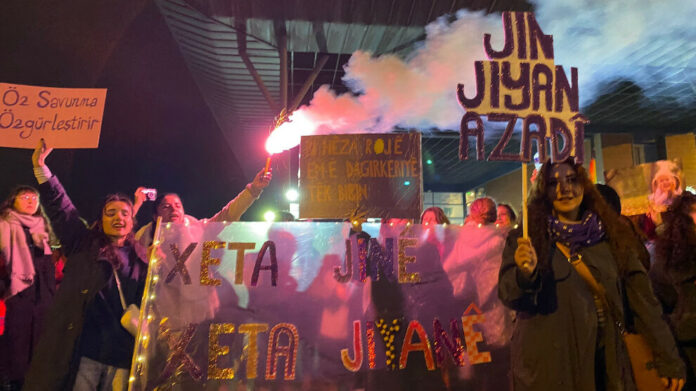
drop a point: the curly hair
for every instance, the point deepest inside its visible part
(106, 246)
(623, 243)
(677, 244)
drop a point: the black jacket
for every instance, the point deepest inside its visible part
(56, 358)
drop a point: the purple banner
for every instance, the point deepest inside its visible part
(257, 306)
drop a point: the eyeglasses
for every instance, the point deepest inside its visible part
(27, 197)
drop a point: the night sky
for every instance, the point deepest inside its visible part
(157, 130)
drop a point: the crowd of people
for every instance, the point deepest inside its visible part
(72, 338)
(557, 301)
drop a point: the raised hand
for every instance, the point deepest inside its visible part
(260, 182)
(139, 197)
(38, 158)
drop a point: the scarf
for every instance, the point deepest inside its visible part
(588, 232)
(15, 247)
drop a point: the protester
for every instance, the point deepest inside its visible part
(666, 184)
(479, 240)
(472, 268)
(482, 211)
(611, 197)
(674, 277)
(171, 209)
(562, 339)
(27, 281)
(507, 219)
(434, 215)
(83, 346)
(199, 302)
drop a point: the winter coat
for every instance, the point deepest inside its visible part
(556, 339)
(56, 358)
(675, 287)
(472, 268)
(25, 316)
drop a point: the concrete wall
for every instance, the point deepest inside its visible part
(507, 189)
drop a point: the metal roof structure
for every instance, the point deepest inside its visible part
(194, 85)
(236, 51)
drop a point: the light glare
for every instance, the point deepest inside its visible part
(269, 216)
(292, 195)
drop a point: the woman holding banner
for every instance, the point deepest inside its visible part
(674, 276)
(200, 302)
(566, 336)
(27, 281)
(434, 215)
(171, 209)
(84, 346)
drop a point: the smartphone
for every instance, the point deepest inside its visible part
(150, 194)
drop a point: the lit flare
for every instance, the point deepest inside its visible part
(288, 134)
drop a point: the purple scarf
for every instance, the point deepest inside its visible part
(588, 232)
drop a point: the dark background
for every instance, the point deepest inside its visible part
(157, 130)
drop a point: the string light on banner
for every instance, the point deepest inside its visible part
(139, 361)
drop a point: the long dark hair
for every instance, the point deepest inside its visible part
(440, 215)
(624, 244)
(677, 244)
(9, 202)
(513, 215)
(106, 246)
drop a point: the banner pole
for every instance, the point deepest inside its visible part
(138, 362)
(525, 219)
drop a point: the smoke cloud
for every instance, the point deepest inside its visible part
(604, 39)
(648, 42)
